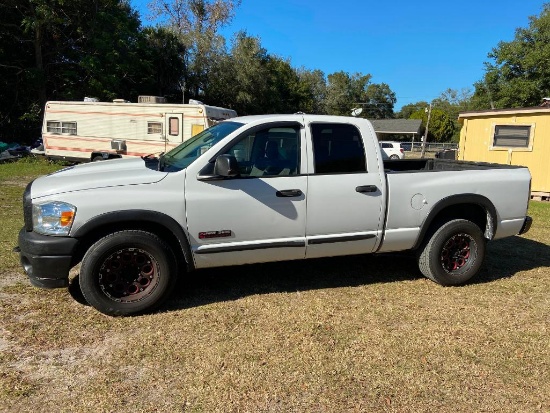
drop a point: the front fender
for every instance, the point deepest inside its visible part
(137, 217)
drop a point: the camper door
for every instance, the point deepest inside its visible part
(174, 127)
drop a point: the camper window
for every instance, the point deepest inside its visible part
(67, 128)
(154, 127)
(174, 126)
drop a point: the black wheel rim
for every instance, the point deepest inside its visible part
(129, 275)
(456, 254)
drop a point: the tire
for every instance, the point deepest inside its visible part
(394, 157)
(97, 158)
(453, 254)
(127, 272)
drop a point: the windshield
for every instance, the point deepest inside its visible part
(183, 155)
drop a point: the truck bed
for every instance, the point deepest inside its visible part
(423, 165)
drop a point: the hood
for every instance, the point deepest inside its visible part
(117, 172)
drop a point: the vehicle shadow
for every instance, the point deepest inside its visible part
(505, 258)
(508, 256)
(231, 283)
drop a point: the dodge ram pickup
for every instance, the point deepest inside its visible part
(258, 189)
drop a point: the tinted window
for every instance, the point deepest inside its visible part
(272, 151)
(337, 148)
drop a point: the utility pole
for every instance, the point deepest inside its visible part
(425, 138)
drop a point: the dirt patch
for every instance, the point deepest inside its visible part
(10, 278)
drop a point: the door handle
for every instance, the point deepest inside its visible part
(366, 188)
(287, 193)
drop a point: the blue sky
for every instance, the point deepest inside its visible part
(419, 48)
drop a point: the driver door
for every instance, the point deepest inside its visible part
(260, 215)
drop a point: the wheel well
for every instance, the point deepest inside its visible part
(159, 230)
(474, 213)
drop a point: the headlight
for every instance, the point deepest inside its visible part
(53, 218)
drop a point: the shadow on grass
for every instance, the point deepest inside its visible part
(505, 258)
(231, 283)
(508, 256)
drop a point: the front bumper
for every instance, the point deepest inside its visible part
(46, 259)
(526, 225)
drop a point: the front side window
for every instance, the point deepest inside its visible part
(512, 136)
(337, 148)
(274, 151)
(183, 155)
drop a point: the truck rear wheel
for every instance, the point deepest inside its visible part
(453, 254)
(127, 272)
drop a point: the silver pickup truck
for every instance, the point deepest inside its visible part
(259, 189)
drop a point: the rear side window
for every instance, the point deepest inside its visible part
(337, 148)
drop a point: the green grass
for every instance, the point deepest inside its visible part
(29, 167)
(353, 334)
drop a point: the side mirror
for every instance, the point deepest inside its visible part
(226, 166)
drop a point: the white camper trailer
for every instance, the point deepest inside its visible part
(88, 131)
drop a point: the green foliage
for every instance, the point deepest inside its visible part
(60, 50)
(518, 74)
(407, 110)
(345, 92)
(440, 128)
(379, 101)
(251, 81)
(196, 23)
(312, 89)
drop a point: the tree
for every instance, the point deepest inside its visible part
(519, 74)
(407, 110)
(57, 49)
(313, 90)
(162, 55)
(441, 127)
(379, 101)
(283, 86)
(240, 79)
(344, 92)
(452, 102)
(197, 23)
(251, 81)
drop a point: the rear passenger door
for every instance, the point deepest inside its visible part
(344, 202)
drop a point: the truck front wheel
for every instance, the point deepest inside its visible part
(453, 254)
(127, 272)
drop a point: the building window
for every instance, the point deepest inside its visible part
(512, 136)
(66, 128)
(154, 128)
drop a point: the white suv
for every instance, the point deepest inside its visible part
(392, 150)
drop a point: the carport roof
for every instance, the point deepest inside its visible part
(397, 126)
